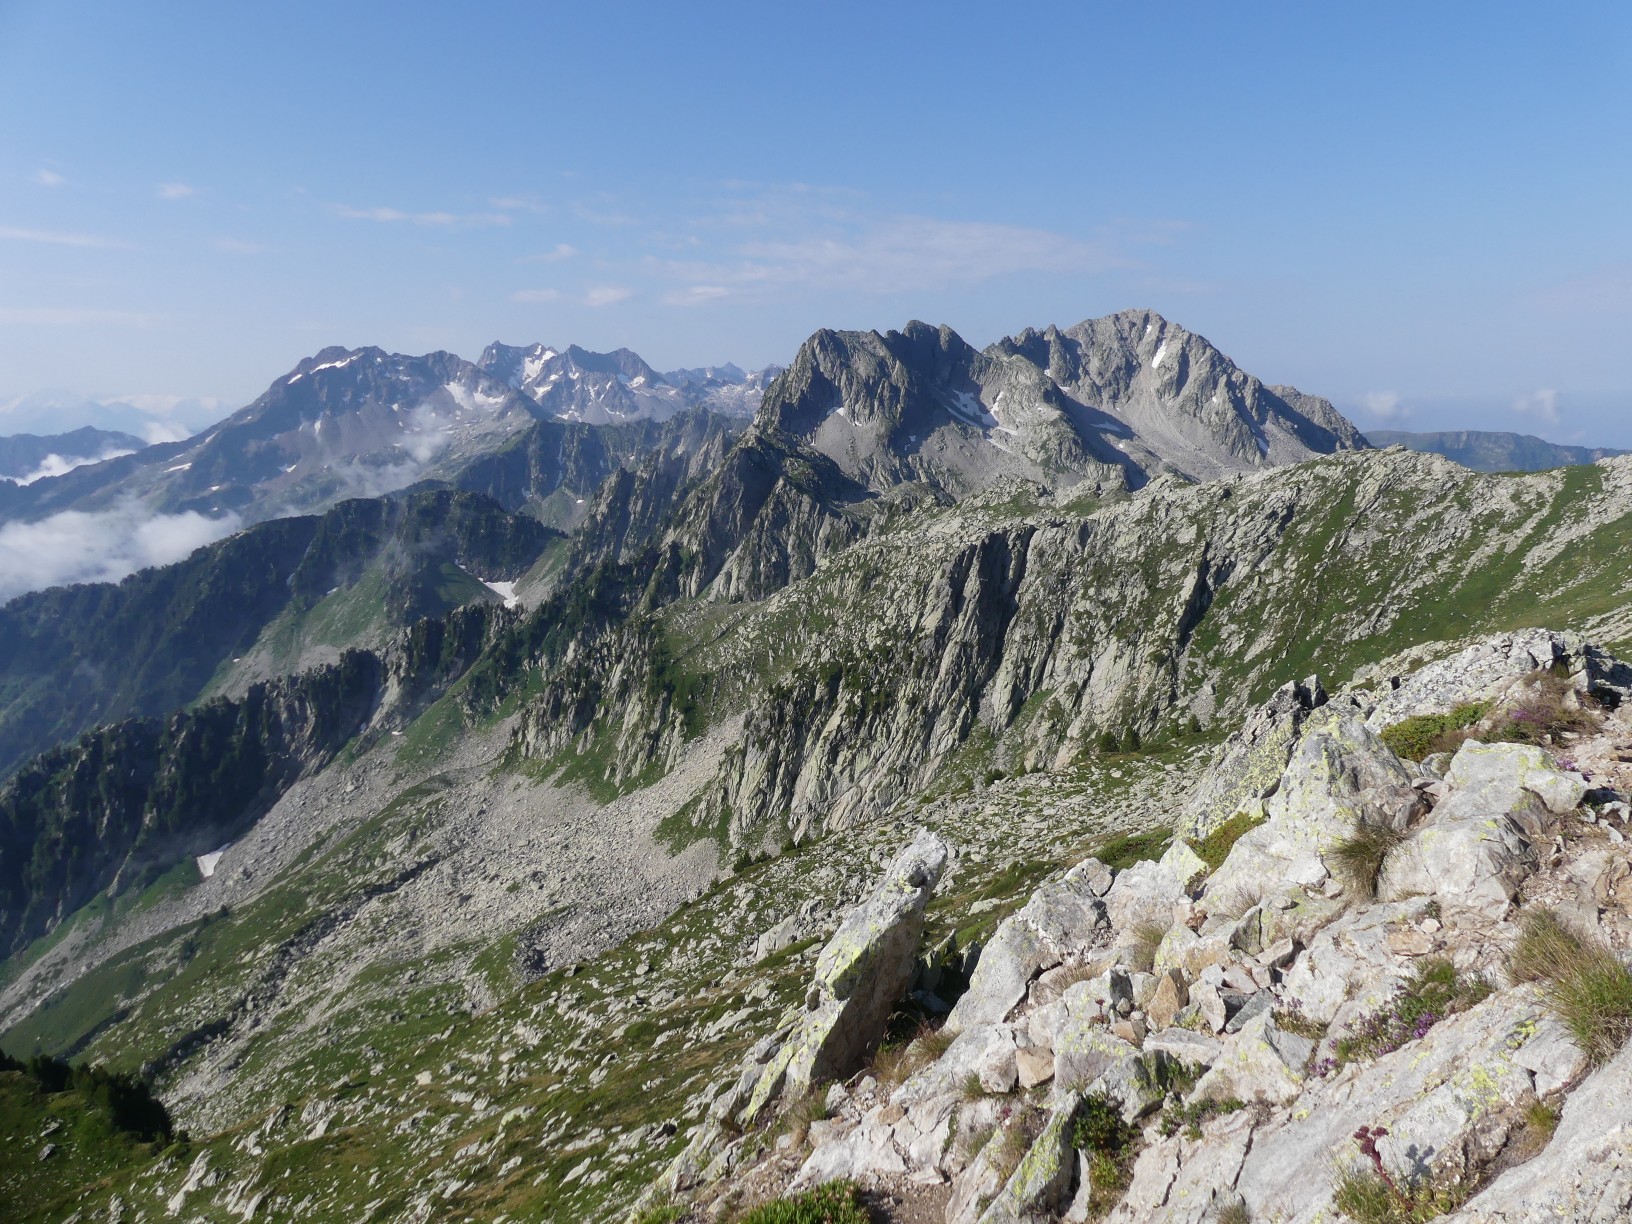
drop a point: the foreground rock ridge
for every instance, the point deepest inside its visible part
(1244, 1018)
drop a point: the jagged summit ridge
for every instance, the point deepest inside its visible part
(574, 384)
(1123, 397)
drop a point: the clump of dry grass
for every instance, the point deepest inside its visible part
(895, 1061)
(1145, 938)
(1546, 707)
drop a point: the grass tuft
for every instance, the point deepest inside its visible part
(834, 1203)
(1587, 986)
(1146, 937)
(1359, 858)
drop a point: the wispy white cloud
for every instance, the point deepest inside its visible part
(12, 233)
(237, 246)
(562, 250)
(48, 178)
(176, 191)
(601, 211)
(396, 215)
(520, 204)
(771, 241)
(100, 546)
(1542, 404)
(695, 295)
(535, 295)
(76, 316)
(607, 295)
(1604, 291)
(1384, 405)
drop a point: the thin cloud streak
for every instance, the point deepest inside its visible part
(563, 250)
(71, 316)
(892, 255)
(391, 216)
(11, 233)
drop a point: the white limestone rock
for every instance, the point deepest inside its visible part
(1059, 920)
(1478, 846)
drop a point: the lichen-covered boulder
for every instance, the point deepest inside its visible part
(986, 1053)
(860, 976)
(1585, 1174)
(1041, 1183)
(1351, 962)
(1085, 1049)
(1253, 758)
(1210, 1168)
(1478, 846)
(1449, 1100)
(1340, 775)
(1261, 1062)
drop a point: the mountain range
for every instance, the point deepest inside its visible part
(1493, 451)
(25, 458)
(456, 844)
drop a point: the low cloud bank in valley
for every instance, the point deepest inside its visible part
(100, 546)
(57, 465)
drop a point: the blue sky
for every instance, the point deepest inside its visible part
(1420, 211)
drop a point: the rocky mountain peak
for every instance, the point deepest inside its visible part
(577, 384)
(1116, 399)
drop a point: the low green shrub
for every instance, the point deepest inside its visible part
(1190, 1117)
(1215, 847)
(1099, 1132)
(1125, 849)
(1099, 1127)
(1416, 739)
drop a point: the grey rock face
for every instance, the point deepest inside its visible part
(1480, 842)
(1059, 921)
(1585, 1174)
(1254, 756)
(1111, 401)
(861, 974)
(1340, 775)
